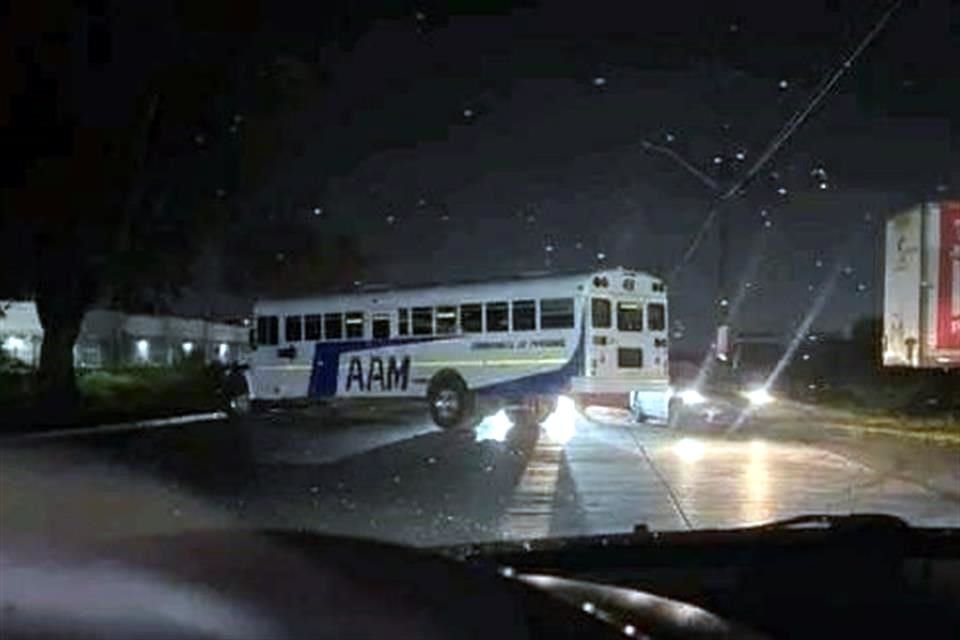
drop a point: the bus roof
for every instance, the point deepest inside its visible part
(481, 289)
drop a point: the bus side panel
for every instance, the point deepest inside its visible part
(405, 369)
(531, 363)
(546, 374)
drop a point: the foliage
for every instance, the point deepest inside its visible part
(115, 395)
(129, 163)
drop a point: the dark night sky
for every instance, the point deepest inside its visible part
(471, 145)
(480, 139)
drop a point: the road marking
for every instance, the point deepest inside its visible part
(154, 423)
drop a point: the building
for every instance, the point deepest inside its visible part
(112, 338)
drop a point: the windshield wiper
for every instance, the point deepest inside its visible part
(835, 522)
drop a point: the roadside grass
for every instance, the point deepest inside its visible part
(147, 392)
(112, 395)
(919, 405)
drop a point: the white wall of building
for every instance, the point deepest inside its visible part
(115, 338)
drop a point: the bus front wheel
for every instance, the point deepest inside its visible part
(450, 401)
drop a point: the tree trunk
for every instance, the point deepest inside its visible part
(55, 376)
(63, 292)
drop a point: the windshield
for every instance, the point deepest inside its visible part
(440, 273)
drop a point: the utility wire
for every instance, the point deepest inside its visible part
(826, 85)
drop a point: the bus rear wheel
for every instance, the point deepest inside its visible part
(450, 401)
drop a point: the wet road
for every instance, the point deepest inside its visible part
(386, 472)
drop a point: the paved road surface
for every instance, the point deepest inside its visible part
(386, 472)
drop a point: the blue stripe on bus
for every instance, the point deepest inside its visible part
(326, 359)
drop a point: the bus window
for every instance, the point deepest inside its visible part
(556, 313)
(333, 326)
(422, 321)
(629, 316)
(600, 313)
(524, 315)
(497, 316)
(403, 322)
(268, 330)
(312, 327)
(630, 358)
(656, 316)
(293, 328)
(354, 322)
(381, 327)
(446, 319)
(471, 318)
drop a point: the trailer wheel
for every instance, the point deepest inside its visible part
(451, 403)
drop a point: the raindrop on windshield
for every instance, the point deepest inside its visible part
(599, 81)
(468, 113)
(783, 84)
(782, 191)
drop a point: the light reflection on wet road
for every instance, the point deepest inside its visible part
(391, 475)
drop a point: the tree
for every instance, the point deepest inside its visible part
(105, 199)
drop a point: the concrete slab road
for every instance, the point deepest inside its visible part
(386, 472)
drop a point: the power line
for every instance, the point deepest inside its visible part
(826, 85)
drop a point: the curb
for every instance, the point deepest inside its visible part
(154, 423)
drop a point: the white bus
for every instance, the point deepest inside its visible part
(599, 337)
